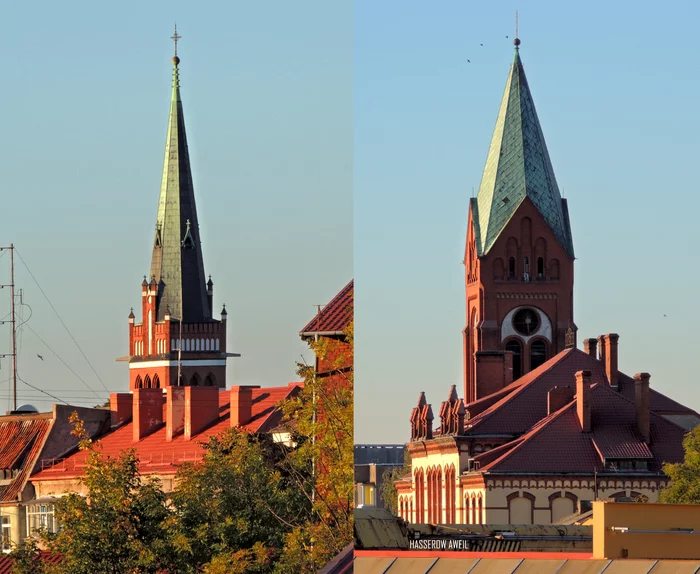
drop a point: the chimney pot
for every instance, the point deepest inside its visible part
(583, 399)
(201, 409)
(610, 344)
(121, 408)
(242, 404)
(641, 400)
(148, 412)
(558, 397)
(590, 347)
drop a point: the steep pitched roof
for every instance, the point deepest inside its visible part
(177, 251)
(518, 166)
(21, 439)
(522, 408)
(556, 444)
(335, 317)
(156, 454)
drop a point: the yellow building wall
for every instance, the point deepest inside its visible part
(659, 520)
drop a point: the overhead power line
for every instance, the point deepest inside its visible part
(62, 322)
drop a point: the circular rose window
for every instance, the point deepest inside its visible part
(526, 322)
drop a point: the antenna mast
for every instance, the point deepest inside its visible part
(13, 322)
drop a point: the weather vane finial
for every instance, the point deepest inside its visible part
(517, 40)
(175, 38)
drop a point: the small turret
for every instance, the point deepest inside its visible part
(224, 313)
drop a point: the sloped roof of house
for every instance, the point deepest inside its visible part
(158, 455)
(335, 317)
(21, 440)
(557, 444)
(523, 403)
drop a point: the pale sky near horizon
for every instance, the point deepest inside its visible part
(267, 94)
(616, 92)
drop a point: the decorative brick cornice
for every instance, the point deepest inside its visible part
(526, 296)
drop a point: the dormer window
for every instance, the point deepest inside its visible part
(188, 240)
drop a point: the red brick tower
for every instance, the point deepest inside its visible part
(519, 258)
(178, 342)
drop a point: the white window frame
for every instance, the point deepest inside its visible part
(40, 516)
(5, 533)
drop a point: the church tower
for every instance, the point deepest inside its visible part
(178, 342)
(519, 257)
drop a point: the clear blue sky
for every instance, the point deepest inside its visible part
(267, 92)
(616, 90)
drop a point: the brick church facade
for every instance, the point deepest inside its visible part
(542, 425)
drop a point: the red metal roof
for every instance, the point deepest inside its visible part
(21, 440)
(334, 317)
(158, 455)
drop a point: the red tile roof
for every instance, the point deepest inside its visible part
(21, 440)
(45, 557)
(659, 403)
(521, 409)
(157, 455)
(335, 316)
(557, 445)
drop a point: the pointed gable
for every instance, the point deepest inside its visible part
(518, 166)
(177, 263)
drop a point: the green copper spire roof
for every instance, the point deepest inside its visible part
(177, 263)
(518, 166)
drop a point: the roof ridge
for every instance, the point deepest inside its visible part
(515, 392)
(534, 431)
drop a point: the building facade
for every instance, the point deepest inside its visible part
(543, 425)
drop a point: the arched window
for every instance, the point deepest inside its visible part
(209, 380)
(517, 349)
(147, 382)
(540, 267)
(194, 381)
(410, 510)
(526, 265)
(438, 505)
(198, 348)
(217, 344)
(156, 382)
(511, 267)
(207, 345)
(138, 384)
(480, 510)
(538, 353)
(172, 344)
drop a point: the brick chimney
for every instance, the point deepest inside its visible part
(610, 361)
(583, 399)
(641, 400)
(121, 408)
(148, 412)
(590, 347)
(174, 411)
(494, 370)
(601, 347)
(242, 405)
(201, 409)
(558, 397)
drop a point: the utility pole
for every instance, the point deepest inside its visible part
(13, 322)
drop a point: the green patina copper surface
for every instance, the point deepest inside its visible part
(177, 262)
(518, 166)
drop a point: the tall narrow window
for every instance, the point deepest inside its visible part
(511, 267)
(540, 267)
(517, 349)
(526, 269)
(538, 353)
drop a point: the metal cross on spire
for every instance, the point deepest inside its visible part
(517, 39)
(175, 38)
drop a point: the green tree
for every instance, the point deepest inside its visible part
(26, 558)
(323, 462)
(236, 506)
(121, 526)
(685, 476)
(389, 477)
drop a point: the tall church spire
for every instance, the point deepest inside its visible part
(177, 262)
(518, 166)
